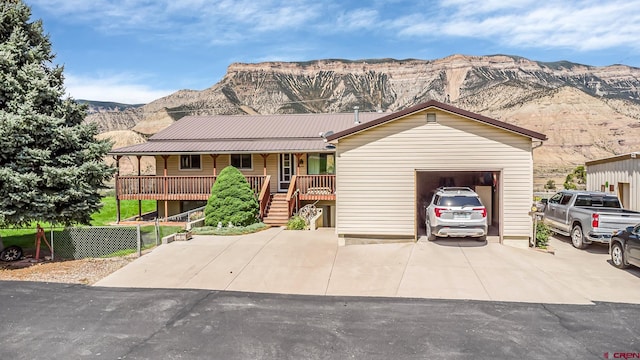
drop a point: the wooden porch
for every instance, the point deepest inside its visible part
(176, 188)
(150, 187)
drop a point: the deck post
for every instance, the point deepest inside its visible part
(166, 185)
(264, 162)
(215, 168)
(117, 158)
(298, 158)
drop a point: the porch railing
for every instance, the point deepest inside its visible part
(264, 195)
(310, 187)
(256, 182)
(292, 194)
(174, 187)
(316, 187)
(164, 187)
(149, 187)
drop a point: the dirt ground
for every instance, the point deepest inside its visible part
(85, 271)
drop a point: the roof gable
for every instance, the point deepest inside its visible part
(443, 107)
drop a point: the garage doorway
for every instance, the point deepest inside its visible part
(485, 183)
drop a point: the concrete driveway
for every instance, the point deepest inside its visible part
(311, 263)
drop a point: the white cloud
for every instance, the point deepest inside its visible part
(119, 88)
(579, 25)
(185, 19)
(357, 19)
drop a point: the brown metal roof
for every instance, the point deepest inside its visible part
(247, 133)
(276, 126)
(633, 155)
(441, 106)
(163, 147)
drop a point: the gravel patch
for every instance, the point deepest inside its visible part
(85, 271)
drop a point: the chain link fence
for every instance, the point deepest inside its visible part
(102, 241)
(89, 241)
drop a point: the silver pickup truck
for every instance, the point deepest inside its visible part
(587, 216)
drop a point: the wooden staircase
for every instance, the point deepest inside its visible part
(277, 212)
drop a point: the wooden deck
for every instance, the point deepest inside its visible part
(316, 187)
(144, 187)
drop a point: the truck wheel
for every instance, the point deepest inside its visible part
(617, 256)
(11, 253)
(430, 235)
(577, 237)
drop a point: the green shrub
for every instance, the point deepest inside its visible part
(542, 235)
(296, 223)
(236, 230)
(232, 200)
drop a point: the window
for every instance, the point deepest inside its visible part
(459, 201)
(321, 164)
(242, 161)
(555, 199)
(583, 200)
(566, 198)
(190, 162)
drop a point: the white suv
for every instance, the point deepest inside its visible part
(456, 211)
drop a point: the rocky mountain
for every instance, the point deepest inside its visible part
(587, 112)
(106, 106)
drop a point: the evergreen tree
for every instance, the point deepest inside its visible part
(51, 165)
(232, 200)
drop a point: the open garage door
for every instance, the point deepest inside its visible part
(485, 183)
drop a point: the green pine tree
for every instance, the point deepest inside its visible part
(232, 200)
(51, 165)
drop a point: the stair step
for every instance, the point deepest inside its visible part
(278, 218)
(285, 208)
(278, 215)
(277, 211)
(275, 222)
(283, 215)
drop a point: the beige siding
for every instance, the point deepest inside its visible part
(613, 173)
(376, 171)
(222, 161)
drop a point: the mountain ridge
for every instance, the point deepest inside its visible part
(601, 105)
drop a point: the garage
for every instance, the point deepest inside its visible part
(387, 168)
(483, 182)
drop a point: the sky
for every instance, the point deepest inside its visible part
(136, 51)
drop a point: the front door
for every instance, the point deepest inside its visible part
(624, 194)
(286, 171)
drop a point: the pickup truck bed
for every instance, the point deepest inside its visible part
(587, 217)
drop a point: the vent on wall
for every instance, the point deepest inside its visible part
(431, 118)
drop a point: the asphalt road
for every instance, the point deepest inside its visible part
(61, 321)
